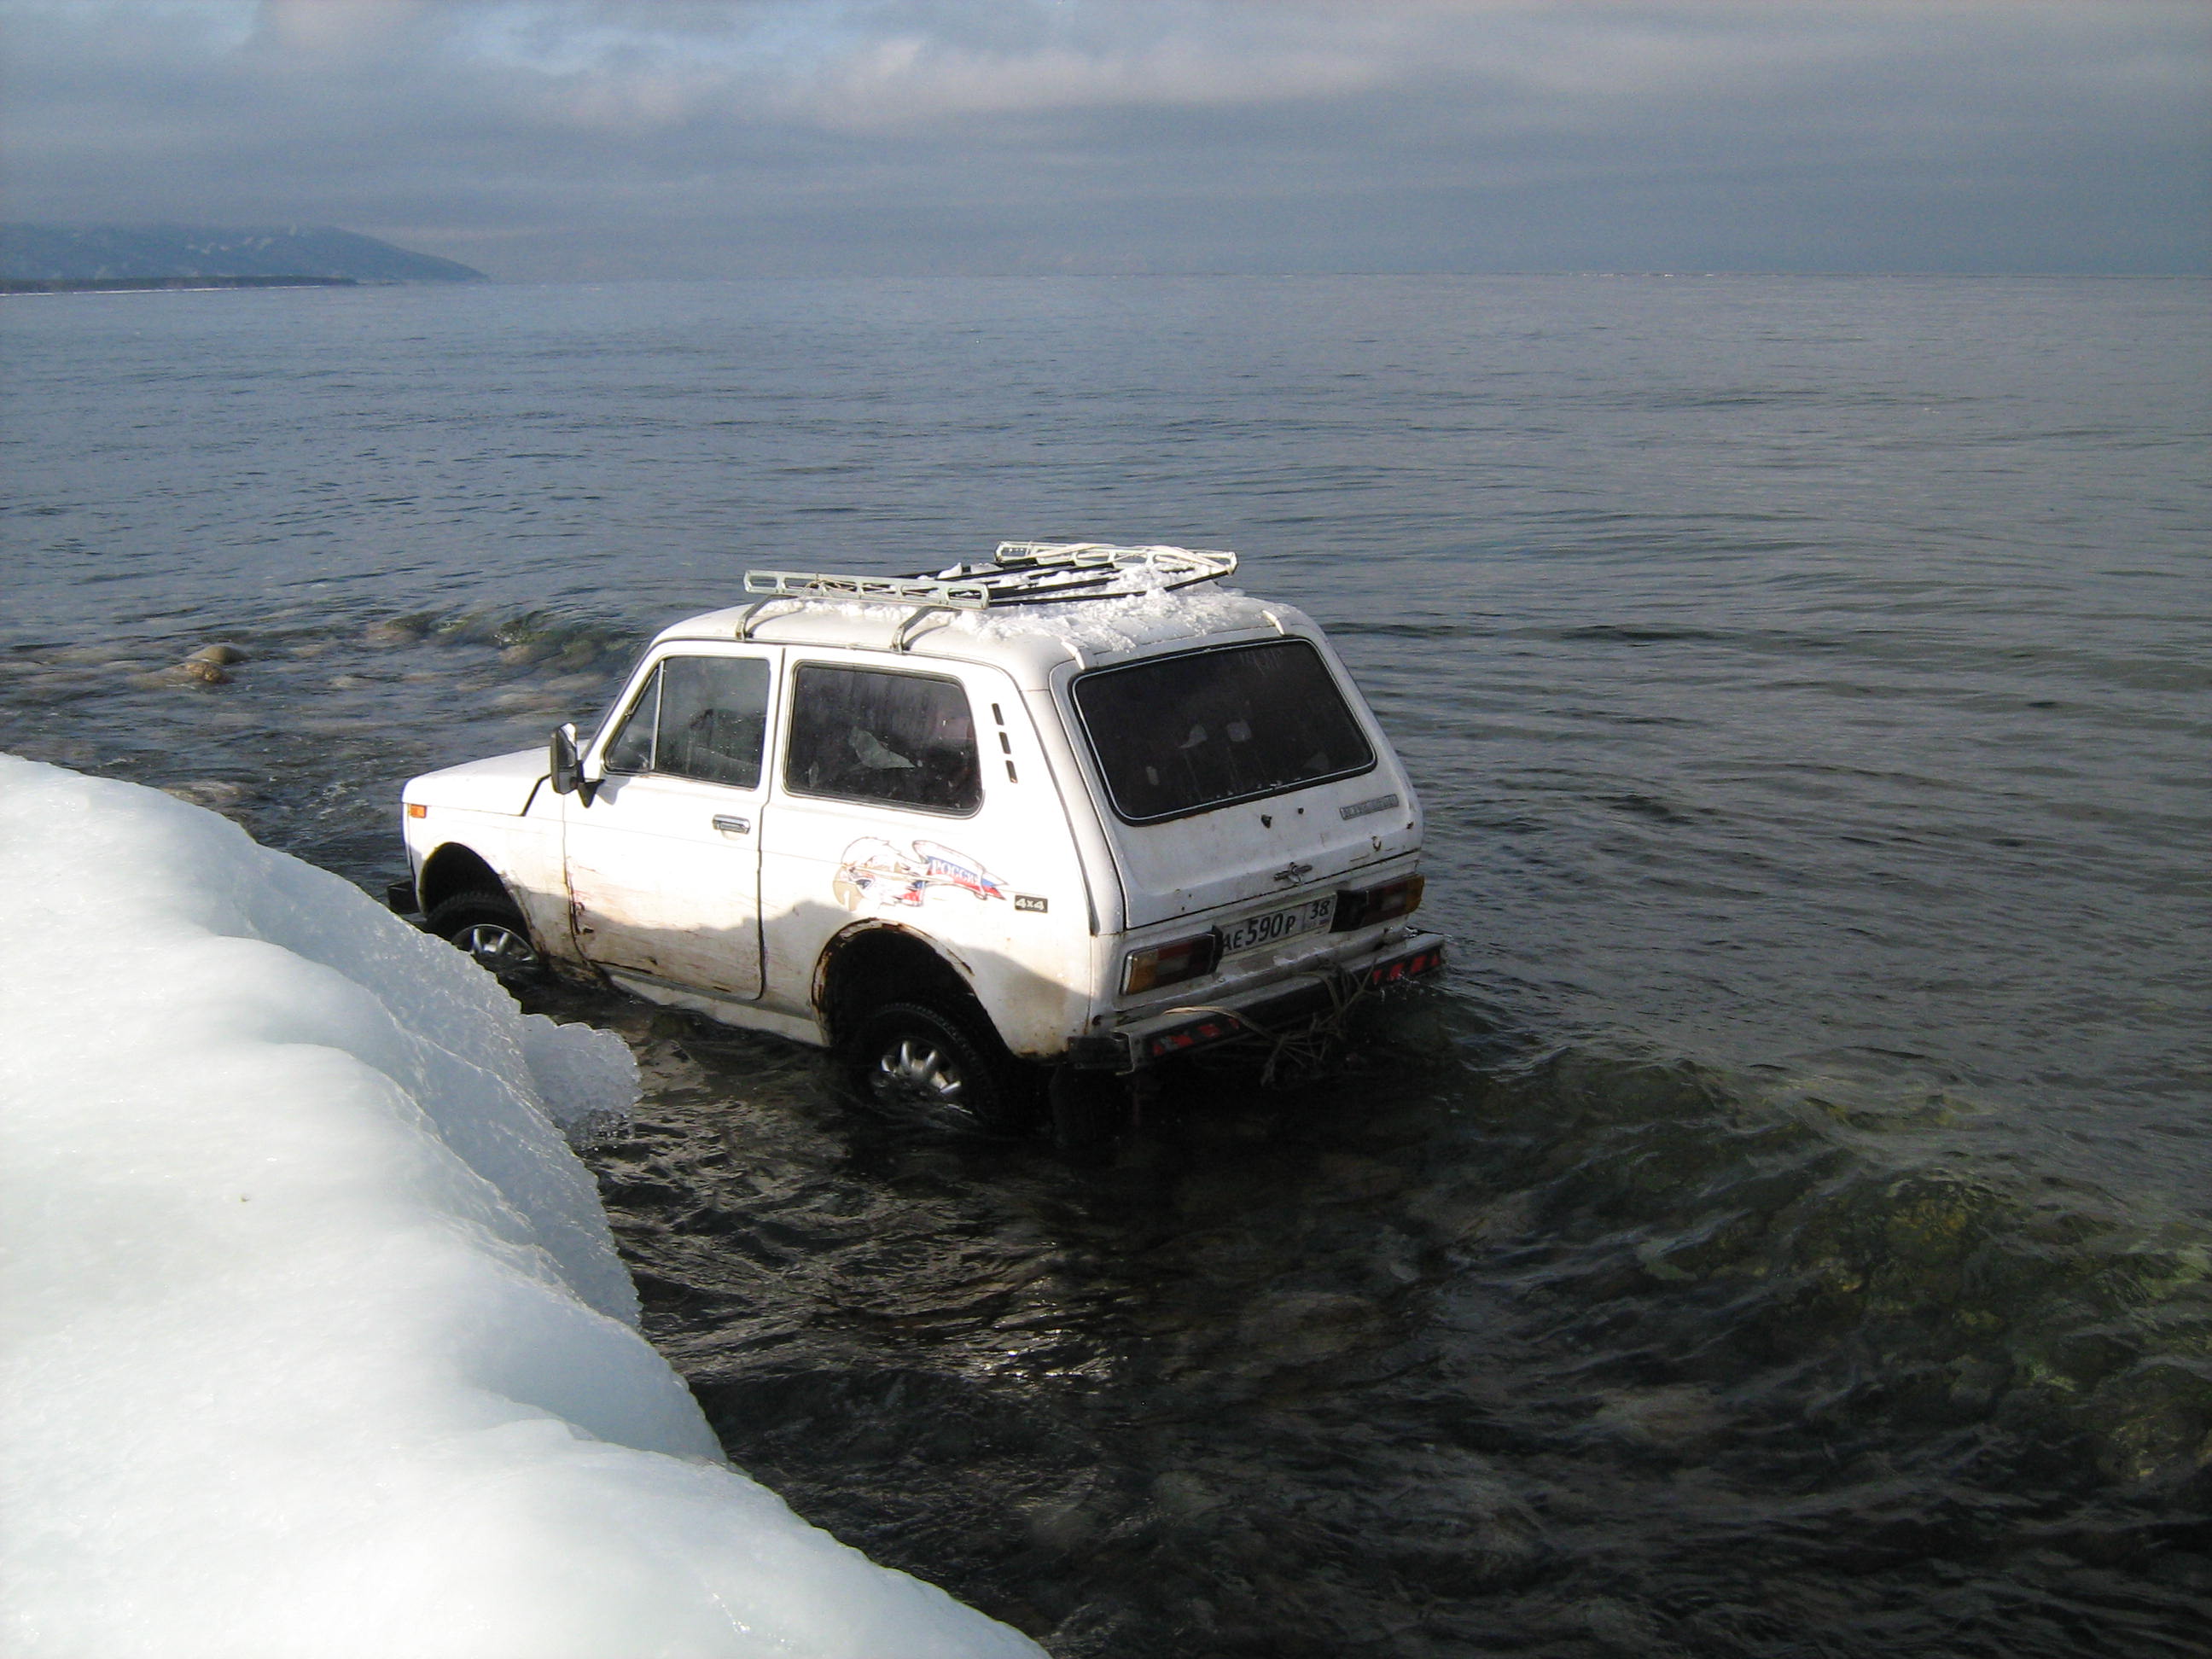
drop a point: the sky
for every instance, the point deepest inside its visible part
(567, 140)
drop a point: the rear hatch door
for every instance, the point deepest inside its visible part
(1238, 774)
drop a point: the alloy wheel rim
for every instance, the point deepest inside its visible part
(917, 1067)
(498, 948)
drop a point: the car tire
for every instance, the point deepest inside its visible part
(914, 1056)
(490, 927)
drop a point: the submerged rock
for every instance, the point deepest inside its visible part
(2155, 1419)
(1181, 1496)
(1673, 1419)
(215, 794)
(1297, 1328)
(220, 655)
(188, 672)
(530, 698)
(1356, 1177)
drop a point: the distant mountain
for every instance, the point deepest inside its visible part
(111, 252)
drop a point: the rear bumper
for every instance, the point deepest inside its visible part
(1272, 1011)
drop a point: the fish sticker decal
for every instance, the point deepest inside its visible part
(875, 872)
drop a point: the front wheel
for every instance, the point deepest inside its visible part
(907, 1055)
(490, 929)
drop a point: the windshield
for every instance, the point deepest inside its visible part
(1178, 735)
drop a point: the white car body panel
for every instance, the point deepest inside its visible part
(664, 882)
(499, 787)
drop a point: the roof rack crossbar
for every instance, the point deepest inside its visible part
(884, 590)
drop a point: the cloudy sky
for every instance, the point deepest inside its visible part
(564, 139)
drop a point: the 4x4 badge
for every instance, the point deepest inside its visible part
(1294, 872)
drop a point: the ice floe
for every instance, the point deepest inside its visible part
(316, 1344)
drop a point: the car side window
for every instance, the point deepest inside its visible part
(891, 739)
(699, 717)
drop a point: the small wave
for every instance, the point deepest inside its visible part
(1810, 1229)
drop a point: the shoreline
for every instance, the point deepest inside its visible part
(161, 284)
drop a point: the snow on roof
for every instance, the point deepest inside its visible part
(319, 1344)
(1134, 622)
(1032, 635)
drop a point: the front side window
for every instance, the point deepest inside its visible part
(1178, 735)
(698, 717)
(876, 735)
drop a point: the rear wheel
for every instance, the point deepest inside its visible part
(490, 929)
(910, 1055)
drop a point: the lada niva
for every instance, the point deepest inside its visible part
(1013, 829)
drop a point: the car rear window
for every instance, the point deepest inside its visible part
(1178, 735)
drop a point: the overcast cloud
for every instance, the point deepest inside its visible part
(593, 138)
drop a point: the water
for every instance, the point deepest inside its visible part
(1789, 1232)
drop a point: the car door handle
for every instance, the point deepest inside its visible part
(730, 826)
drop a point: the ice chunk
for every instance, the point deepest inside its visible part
(317, 1343)
(582, 1078)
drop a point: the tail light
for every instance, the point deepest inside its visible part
(1370, 905)
(1384, 974)
(1171, 963)
(1196, 1035)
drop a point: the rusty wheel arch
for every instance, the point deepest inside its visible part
(874, 962)
(455, 868)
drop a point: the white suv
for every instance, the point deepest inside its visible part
(1061, 815)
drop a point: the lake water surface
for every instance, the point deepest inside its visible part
(1789, 1230)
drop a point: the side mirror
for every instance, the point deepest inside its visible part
(567, 768)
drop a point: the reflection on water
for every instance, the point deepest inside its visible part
(1465, 1349)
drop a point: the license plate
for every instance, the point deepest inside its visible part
(1277, 925)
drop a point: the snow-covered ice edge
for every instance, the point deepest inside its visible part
(317, 1342)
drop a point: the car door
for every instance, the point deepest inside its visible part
(663, 864)
(910, 799)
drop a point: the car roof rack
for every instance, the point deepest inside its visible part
(1021, 573)
(876, 589)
